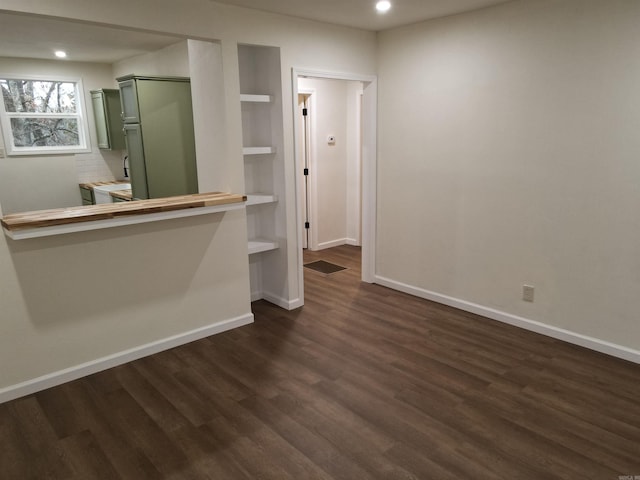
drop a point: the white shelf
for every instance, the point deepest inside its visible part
(260, 199)
(258, 150)
(260, 245)
(256, 98)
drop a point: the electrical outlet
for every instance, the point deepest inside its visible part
(527, 293)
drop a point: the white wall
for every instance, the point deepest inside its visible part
(334, 169)
(208, 99)
(157, 280)
(509, 154)
(171, 61)
(51, 181)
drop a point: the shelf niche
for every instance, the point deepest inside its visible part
(262, 138)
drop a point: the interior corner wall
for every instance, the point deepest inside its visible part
(509, 155)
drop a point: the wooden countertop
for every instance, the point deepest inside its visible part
(90, 213)
(122, 194)
(90, 185)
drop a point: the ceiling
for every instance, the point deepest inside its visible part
(28, 36)
(362, 13)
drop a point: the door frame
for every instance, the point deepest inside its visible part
(369, 166)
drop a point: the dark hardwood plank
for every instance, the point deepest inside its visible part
(87, 458)
(363, 382)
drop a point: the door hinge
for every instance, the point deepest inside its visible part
(306, 172)
(306, 225)
(305, 111)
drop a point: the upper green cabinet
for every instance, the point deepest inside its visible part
(129, 100)
(106, 111)
(158, 123)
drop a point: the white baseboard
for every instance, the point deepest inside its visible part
(255, 296)
(353, 242)
(592, 343)
(282, 302)
(332, 243)
(62, 376)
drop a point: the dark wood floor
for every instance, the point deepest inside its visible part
(363, 382)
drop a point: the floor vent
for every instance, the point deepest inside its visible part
(324, 267)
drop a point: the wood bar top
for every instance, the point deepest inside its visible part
(91, 185)
(90, 213)
(122, 194)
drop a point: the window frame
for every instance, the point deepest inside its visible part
(80, 114)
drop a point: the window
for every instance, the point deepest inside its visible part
(42, 116)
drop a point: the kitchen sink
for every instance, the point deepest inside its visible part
(101, 192)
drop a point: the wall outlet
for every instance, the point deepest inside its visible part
(527, 293)
(331, 139)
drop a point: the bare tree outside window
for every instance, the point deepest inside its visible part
(41, 114)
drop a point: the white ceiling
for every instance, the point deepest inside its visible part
(362, 13)
(29, 36)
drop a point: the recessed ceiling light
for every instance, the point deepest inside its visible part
(60, 54)
(383, 6)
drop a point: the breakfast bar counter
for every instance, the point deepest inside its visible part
(91, 217)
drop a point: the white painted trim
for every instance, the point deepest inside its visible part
(332, 243)
(369, 179)
(247, 97)
(73, 373)
(260, 199)
(282, 302)
(353, 242)
(255, 296)
(309, 72)
(591, 343)
(299, 191)
(258, 150)
(313, 177)
(369, 166)
(118, 221)
(259, 245)
(82, 114)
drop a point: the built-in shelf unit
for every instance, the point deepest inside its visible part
(262, 136)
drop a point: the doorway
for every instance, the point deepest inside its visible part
(329, 117)
(365, 137)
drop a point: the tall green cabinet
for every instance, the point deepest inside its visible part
(158, 125)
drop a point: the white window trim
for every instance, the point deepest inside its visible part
(81, 115)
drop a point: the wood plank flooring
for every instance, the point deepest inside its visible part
(363, 382)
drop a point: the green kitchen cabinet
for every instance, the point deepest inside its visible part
(106, 112)
(87, 196)
(158, 124)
